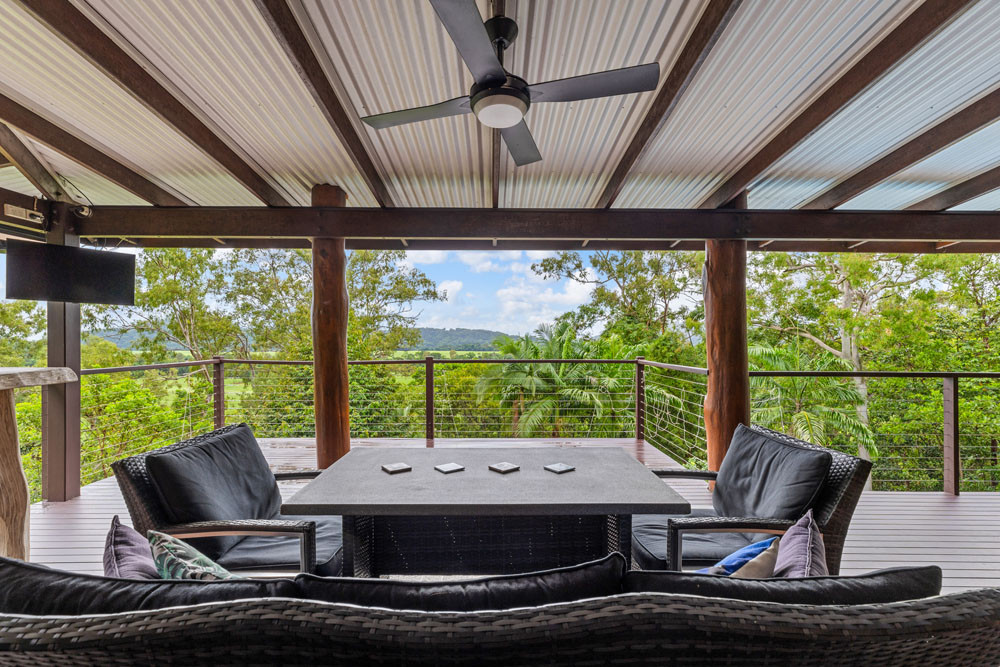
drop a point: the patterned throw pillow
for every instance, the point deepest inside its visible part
(176, 559)
(739, 558)
(760, 566)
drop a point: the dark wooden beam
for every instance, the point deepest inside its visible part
(973, 117)
(706, 33)
(895, 247)
(961, 193)
(4, 162)
(536, 224)
(18, 154)
(73, 26)
(83, 153)
(913, 31)
(329, 324)
(286, 29)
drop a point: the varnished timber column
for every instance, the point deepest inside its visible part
(727, 397)
(330, 308)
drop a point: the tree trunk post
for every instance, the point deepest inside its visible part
(15, 500)
(429, 400)
(61, 402)
(640, 400)
(727, 395)
(329, 325)
(952, 464)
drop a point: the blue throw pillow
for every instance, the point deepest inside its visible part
(739, 558)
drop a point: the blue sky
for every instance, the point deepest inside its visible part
(493, 290)
(486, 290)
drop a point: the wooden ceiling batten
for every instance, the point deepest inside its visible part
(925, 21)
(63, 142)
(973, 117)
(73, 27)
(706, 33)
(959, 194)
(19, 155)
(282, 22)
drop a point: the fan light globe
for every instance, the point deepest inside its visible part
(500, 111)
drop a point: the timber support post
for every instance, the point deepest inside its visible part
(329, 328)
(952, 463)
(61, 402)
(727, 396)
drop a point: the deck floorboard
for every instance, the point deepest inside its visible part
(889, 528)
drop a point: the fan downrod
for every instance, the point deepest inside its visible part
(502, 31)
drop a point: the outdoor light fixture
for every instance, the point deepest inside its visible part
(502, 106)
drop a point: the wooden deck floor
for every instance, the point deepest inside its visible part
(961, 534)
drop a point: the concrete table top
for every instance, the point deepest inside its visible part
(606, 481)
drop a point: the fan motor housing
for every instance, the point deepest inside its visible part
(514, 86)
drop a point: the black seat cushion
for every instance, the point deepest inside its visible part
(34, 589)
(222, 477)
(649, 541)
(882, 586)
(587, 580)
(767, 478)
(281, 553)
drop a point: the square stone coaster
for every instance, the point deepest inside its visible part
(559, 468)
(395, 468)
(447, 468)
(504, 467)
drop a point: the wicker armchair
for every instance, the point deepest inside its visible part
(145, 507)
(833, 508)
(628, 629)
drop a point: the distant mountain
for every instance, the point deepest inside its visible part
(456, 339)
(127, 340)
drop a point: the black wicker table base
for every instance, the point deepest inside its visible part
(440, 545)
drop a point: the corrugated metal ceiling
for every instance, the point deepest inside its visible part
(773, 59)
(11, 179)
(952, 69)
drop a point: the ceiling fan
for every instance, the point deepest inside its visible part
(500, 99)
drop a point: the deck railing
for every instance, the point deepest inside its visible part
(917, 440)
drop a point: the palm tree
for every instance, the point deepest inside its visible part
(552, 398)
(816, 409)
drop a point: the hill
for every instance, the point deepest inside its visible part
(456, 339)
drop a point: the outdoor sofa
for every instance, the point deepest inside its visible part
(594, 613)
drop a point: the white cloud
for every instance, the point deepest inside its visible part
(536, 255)
(526, 302)
(426, 256)
(452, 287)
(481, 261)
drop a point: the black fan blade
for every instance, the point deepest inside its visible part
(521, 144)
(465, 27)
(454, 107)
(601, 84)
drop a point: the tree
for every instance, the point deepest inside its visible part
(637, 294)
(20, 323)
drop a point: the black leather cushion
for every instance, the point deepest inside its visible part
(587, 580)
(223, 477)
(649, 541)
(26, 588)
(260, 553)
(762, 477)
(891, 585)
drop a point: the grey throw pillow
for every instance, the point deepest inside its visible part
(802, 552)
(127, 554)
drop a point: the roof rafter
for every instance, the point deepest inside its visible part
(280, 18)
(973, 117)
(957, 194)
(19, 155)
(79, 151)
(598, 225)
(913, 31)
(73, 27)
(706, 33)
